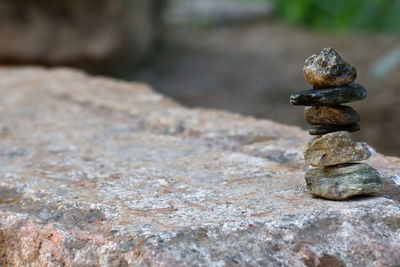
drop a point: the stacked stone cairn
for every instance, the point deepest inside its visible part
(331, 152)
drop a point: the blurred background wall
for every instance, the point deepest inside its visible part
(240, 55)
(97, 35)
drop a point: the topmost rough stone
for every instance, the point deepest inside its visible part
(328, 69)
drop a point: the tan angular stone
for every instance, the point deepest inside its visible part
(335, 148)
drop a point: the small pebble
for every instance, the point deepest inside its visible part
(335, 148)
(331, 115)
(329, 96)
(328, 69)
(324, 129)
(343, 181)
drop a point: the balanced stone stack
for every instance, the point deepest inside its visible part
(331, 153)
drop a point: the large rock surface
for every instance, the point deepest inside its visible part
(101, 172)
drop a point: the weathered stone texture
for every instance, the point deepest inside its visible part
(100, 172)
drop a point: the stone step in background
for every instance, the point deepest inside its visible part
(95, 171)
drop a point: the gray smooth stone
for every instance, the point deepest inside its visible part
(343, 181)
(324, 129)
(329, 96)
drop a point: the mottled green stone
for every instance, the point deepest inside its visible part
(343, 181)
(329, 96)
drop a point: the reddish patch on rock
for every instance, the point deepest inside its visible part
(310, 257)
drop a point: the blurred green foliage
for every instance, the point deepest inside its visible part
(343, 15)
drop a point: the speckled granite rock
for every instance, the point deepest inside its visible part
(343, 181)
(101, 172)
(328, 69)
(334, 148)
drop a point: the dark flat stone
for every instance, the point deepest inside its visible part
(331, 115)
(329, 96)
(324, 129)
(343, 181)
